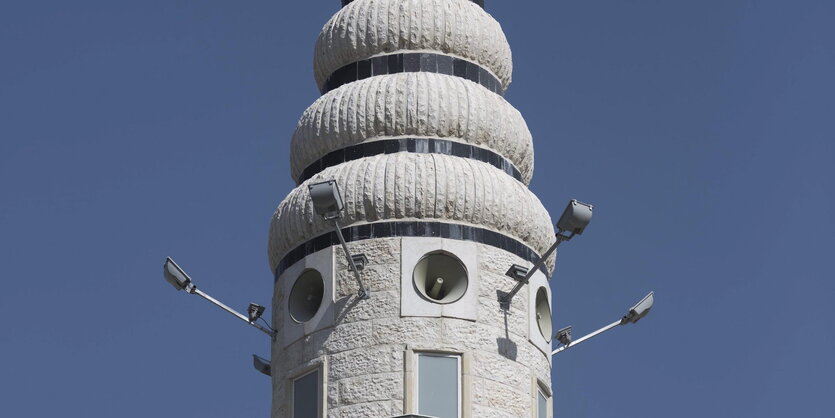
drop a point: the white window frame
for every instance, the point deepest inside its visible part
(458, 358)
(540, 388)
(321, 387)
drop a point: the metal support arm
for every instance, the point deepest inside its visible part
(544, 259)
(363, 292)
(194, 290)
(588, 337)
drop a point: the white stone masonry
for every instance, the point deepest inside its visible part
(365, 350)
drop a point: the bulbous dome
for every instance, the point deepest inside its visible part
(412, 105)
(409, 186)
(367, 28)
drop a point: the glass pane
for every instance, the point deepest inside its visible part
(306, 396)
(438, 388)
(542, 406)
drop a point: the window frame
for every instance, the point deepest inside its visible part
(540, 388)
(321, 387)
(459, 374)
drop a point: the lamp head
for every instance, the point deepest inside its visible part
(564, 335)
(327, 201)
(517, 272)
(175, 275)
(255, 311)
(640, 310)
(575, 217)
(262, 365)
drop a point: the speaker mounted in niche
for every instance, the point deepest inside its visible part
(440, 277)
(540, 326)
(306, 296)
(542, 311)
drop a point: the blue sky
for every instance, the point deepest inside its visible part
(701, 130)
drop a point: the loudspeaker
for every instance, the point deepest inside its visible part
(542, 310)
(440, 278)
(306, 296)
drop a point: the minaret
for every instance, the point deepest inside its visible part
(433, 165)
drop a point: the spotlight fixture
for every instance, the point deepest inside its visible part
(517, 272)
(360, 260)
(178, 278)
(573, 220)
(575, 217)
(640, 310)
(175, 275)
(327, 202)
(564, 335)
(255, 311)
(262, 365)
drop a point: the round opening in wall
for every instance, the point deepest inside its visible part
(306, 296)
(543, 314)
(440, 278)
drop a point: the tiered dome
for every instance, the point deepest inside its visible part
(413, 128)
(423, 187)
(369, 28)
(412, 105)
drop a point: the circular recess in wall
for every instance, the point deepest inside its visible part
(543, 314)
(440, 277)
(306, 296)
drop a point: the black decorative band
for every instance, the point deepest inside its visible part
(416, 145)
(478, 2)
(412, 62)
(409, 229)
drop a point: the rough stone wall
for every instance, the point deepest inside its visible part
(364, 351)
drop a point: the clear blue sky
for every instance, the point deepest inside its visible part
(701, 130)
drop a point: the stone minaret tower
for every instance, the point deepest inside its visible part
(433, 166)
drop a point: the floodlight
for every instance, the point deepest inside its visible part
(262, 365)
(564, 335)
(640, 310)
(517, 272)
(573, 220)
(175, 275)
(360, 260)
(575, 217)
(327, 201)
(255, 311)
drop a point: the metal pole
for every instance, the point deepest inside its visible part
(238, 315)
(587, 337)
(507, 298)
(363, 292)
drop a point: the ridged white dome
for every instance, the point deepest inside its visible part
(366, 28)
(413, 105)
(408, 186)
